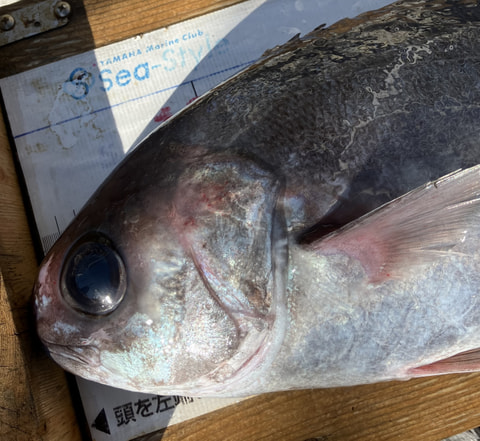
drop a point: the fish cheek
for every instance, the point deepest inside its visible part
(171, 337)
(208, 336)
(169, 330)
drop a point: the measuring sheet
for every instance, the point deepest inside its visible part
(74, 120)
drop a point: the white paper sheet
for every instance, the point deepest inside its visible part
(74, 120)
(115, 414)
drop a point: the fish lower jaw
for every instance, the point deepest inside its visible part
(65, 356)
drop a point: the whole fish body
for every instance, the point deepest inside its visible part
(240, 248)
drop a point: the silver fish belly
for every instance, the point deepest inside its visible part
(312, 222)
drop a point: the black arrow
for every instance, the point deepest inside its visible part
(101, 422)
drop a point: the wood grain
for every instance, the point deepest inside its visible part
(426, 409)
(97, 23)
(16, 411)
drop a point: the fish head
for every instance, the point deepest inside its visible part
(168, 280)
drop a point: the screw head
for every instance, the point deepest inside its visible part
(62, 9)
(7, 22)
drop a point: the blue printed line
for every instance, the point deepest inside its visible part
(238, 66)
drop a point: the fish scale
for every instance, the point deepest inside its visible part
(312, 222)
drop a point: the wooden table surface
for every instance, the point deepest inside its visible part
(35, 402)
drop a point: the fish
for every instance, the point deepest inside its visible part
(312, 222)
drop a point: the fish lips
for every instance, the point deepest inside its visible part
(73, 357)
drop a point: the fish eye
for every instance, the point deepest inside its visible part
(93, 278)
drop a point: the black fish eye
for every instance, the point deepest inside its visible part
(93, 278)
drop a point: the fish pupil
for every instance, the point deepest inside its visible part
(95, 272)
(93, 278)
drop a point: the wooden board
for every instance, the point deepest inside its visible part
(96, 23)
(35, 403)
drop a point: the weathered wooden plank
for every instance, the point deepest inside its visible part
(97, 23)
(17, 412)
(423, 409)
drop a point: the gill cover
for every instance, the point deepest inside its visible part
(229, 221)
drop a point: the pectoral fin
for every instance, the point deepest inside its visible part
(413, 229)
(468, 361)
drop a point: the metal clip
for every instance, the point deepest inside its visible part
(32, 20)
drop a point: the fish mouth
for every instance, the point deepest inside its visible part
(74, 355)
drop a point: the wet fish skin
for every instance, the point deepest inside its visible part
(218, 219)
